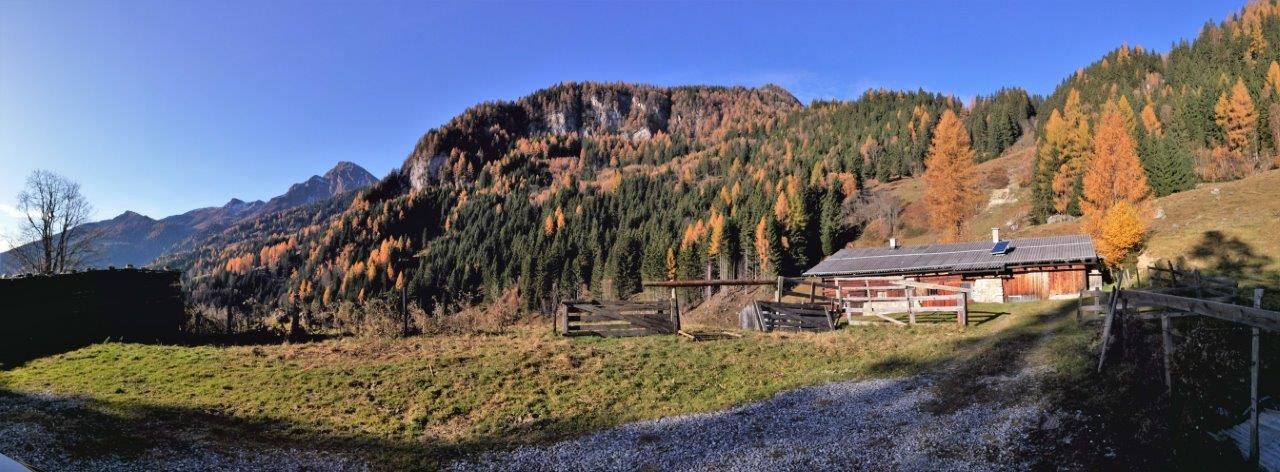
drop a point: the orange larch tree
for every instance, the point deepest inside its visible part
(952, 190)
(1151, 122)
(1236, 115)
(1114, 177)
(1068, 140)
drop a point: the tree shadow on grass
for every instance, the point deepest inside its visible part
(1229, 256)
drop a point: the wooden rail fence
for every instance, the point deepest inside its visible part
(778, 316)
(957, 298)
(615, 319)
(1156, 305)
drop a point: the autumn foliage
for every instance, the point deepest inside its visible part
(1115, 194)
(952, 191)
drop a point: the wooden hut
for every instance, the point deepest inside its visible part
(996, 272)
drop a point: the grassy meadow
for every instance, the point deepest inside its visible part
(419, 401)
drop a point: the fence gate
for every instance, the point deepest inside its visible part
(616, 318)
(793, 316)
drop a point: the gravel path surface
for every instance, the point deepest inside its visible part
(875, 424)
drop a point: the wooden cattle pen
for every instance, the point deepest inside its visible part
(778, 316)
(617, 319)
(815, 315)
(1179, 294)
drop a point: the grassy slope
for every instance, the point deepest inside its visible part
(1245, 213)
(417, 401)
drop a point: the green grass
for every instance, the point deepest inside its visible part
(416, 402)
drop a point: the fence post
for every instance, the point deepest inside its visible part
(675, 309)
(911, 309)
(813, 291)
(1168, 350)
(777, 295)
(564, 318)
(1253, 388)
(1080, 304)
(963, 319)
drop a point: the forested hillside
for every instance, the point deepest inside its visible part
(588, 188)
(1207, 110)
(585, 189)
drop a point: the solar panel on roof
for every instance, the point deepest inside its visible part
(1000, 248)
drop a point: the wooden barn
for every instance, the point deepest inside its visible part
(995, 272)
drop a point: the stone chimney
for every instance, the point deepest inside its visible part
(995, 235)
(893, 243)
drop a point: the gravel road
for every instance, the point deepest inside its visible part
(875, 424)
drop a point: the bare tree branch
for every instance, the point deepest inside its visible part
(52, 239)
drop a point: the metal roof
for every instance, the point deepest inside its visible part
(961, 257)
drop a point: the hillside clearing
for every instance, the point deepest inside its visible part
(420, 402)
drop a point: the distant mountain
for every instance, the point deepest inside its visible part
(136, 239)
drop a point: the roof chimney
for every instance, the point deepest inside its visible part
(995, 235)
(893, 243)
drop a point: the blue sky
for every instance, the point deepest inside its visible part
(161, 107)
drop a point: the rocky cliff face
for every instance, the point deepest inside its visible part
(635, 112)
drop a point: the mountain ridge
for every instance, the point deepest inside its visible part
(132, 238)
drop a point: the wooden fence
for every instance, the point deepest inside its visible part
(1156, 305)
(1091, 301)
(778, 316)
(614, 318)
(1191, 282)
(956, 300)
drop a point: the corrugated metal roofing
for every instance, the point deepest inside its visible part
(961, 257)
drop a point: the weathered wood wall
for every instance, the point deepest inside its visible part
(41, 315)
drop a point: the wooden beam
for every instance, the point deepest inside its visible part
(705, 283)
(1162, 314)
(886, 318)
(911, 283)
(1255, 317)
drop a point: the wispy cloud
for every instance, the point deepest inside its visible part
(10, 211)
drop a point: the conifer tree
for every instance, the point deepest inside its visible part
(1150, 122)
(1238, 119)
(1170, 167)
(830, 222)
(1273, 81)
(1114, 176)
(952, 191)
(1072, 145)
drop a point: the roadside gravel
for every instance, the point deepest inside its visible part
(873, 424)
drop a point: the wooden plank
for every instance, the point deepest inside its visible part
(651, 317)
(877, 315)
(1255, 317)
(1162, 315)
(655, 325)
(914, 284)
